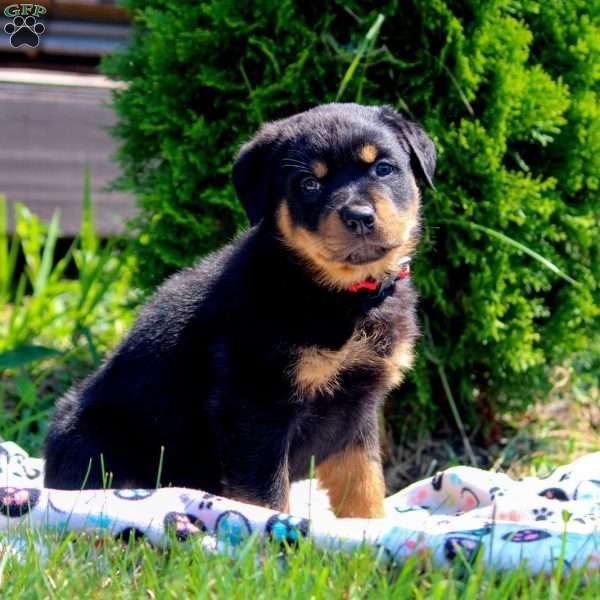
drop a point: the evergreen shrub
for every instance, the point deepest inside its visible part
(508, 89)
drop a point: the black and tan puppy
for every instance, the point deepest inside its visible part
(280, 346)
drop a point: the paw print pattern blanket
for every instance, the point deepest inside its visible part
(461, 510)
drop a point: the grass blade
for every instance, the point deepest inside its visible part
(87, 334)
(4, 272)
(14, 314)
(63, 263)
(24, 355)
(437, 361)
(9, 250)
(365, 45)
(89, 278)
(47, 255)
(30, 232)
(512, 242)
(89, 241)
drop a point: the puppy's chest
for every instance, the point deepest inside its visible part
(380, 349)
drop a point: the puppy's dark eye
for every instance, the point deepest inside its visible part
(310, 185)
(383, 169)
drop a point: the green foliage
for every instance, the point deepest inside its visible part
(100, 567)
(58, 315)
(507, 88)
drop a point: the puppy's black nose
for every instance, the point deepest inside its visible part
(358, 219)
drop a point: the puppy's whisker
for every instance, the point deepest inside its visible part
(295, 161)
(298, 163)
(299, 166)
(287, 158)
(298, 169)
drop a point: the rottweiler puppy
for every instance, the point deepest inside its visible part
(280, 346)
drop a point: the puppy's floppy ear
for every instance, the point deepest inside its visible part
(422, 150)
(252, 173)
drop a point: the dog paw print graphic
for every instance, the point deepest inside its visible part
(24, 31)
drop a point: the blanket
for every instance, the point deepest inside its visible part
(543, 522)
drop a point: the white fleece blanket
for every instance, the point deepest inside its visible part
(461, 510)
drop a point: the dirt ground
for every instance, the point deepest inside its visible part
(555, 432)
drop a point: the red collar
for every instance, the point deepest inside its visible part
(372, 285)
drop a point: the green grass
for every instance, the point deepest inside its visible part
(80, 567)
(59, 314)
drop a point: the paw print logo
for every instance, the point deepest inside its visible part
(496, 492)
(554, 494)
(285, 528)
(460, 546)
(24, 31)
(542, 514)
(524, 536)
(16, 502)
(207, 502)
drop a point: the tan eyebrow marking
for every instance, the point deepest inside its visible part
(368, 153)
(319, 168)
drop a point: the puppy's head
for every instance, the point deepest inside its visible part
(338, 185)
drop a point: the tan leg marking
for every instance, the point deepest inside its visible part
(319, 168)
(355, 484)
(317, 370)
(368, 153)
(398, 363)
